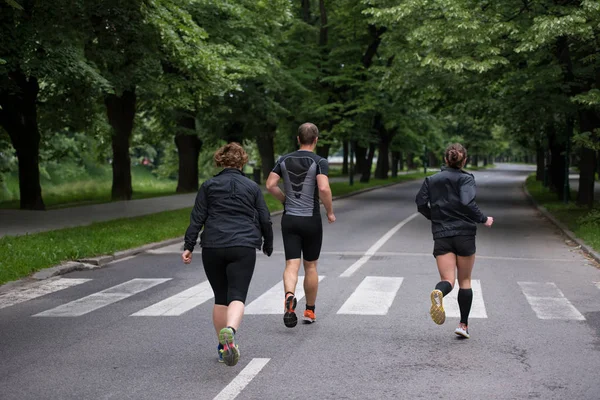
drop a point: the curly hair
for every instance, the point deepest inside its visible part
(231, 155)
(455, 155)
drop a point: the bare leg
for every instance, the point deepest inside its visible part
(447, 267)
(219, 317)
(235, 312)
(290, 275)
(311, 282)
(465, 267)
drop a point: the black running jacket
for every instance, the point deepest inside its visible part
(233, 212)
(448, 200)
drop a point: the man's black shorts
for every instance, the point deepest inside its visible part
(302, 236)
(463, 246)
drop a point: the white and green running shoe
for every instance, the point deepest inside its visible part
(230, 352)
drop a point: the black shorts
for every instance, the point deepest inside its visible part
(302, 236)
(229, 271)
(463, 246)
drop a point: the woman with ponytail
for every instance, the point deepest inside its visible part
(447, 199)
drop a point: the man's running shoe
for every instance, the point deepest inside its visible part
(230, 352)
(438, 315)
(309, 317)
(289, 318)
(462, 331)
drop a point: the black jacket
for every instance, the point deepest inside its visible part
(448, 200)
(233, 211)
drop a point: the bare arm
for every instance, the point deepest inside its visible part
(325, 192)
(273, 188)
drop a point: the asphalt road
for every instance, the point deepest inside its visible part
(535, 323)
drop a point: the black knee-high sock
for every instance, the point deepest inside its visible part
(444, 286)
(465, 298)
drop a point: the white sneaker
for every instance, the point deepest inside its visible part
(464, 332)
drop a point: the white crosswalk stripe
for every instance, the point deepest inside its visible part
(271, 302)
(37, 290)
(549, 302)
(179, 303)
(102, 299)
(477, 307)
(236, 386)
(374, 296)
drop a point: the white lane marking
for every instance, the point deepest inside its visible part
(373, 249)
(477, 307)
(101, 299)
(238, 384)
(271, 302)
(374, 296)
(179, 303)
(549, 302)
(37, 290)
(598, 285)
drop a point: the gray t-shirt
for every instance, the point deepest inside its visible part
(299, 171)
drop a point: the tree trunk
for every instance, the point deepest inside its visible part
(366, 167)
(400, 161)
(323, 151)
(410, 162)
(306, 11)
(485, 161)
(540, 158)
(266, 149)
(18, 116)
(121, 113)
(188, 149)
(475, 161)
(433, 161)
(234, 132)
(361, 154)
(395, 160)
(383, 159)
(346, 156)
(588, 121)
(557, 163)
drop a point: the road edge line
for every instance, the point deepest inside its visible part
(566, 231)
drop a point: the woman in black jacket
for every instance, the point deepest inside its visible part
(448, 200)
(235, 217)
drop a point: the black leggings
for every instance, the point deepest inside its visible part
(229, 271)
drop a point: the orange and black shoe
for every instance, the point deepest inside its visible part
(309, 317)
(289, 318)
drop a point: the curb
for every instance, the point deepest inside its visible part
(586, 249)
(104, 260)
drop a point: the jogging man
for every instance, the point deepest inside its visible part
(305, 182)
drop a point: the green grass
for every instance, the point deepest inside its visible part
(582, 221)
(85, 189)
(479, 168)
(21, 256)
(341, 188)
